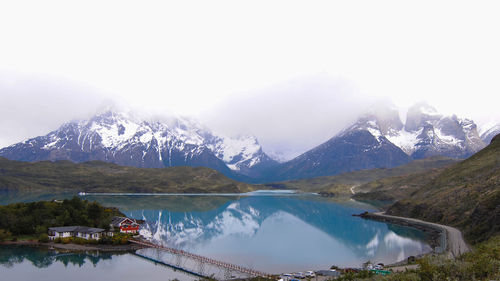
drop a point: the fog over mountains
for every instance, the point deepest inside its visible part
(379, 138)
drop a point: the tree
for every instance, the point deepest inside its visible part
(4, 235)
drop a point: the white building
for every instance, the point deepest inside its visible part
(76, 231)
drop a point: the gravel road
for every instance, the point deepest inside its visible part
(455, 243)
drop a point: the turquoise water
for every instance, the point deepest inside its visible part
(269, 233)
(272, 233)
(20, 263)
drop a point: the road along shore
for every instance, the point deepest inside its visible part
(444, 239)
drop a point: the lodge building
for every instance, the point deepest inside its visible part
(125, 225)
(77, 231)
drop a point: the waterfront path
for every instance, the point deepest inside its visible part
(454, 243)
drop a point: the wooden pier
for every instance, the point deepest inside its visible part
(182, 269)
(221, 264)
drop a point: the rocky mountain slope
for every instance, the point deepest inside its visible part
(428, 133)
(350, 151)
(132, 141)
(379, 139)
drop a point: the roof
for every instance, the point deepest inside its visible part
(63, 228)
(80, 229)
(89, 230)
(328, 272)
(116, 221)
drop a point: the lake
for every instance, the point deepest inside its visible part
(273, 233)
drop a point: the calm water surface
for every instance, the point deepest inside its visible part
(269, 233)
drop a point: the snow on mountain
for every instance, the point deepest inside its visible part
(426, 132)
(127, 139)
(238, 152)
(489, 130)
(405, 140)
(379, 139)
(283, 154)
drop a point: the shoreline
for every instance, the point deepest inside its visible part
(76, 247)
(443, 239)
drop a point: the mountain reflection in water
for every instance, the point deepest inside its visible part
(271, 233)
(43, 258)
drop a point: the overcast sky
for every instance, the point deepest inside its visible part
(291, 72)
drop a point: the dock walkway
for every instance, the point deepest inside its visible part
(196, 257)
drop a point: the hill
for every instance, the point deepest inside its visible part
(466, 195)
(341, 184)
(98, 176)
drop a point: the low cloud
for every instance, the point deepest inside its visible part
(291, 117)
(33, 105)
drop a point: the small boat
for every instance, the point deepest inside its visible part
(81, 193)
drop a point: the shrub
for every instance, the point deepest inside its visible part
(105, 240)
(80, 241)
(121, 238)
(58, 240)
(66, 240)
(44, 238)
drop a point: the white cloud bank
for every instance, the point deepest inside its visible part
(199, 57)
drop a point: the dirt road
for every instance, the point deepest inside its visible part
(455, 243)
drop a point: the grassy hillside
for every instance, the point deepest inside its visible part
(341, 184)
(105, 177)
(466, 195)
(386, 191)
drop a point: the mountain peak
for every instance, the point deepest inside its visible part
(380, 119)
(424, 108)
(132, 139)
(419, 114)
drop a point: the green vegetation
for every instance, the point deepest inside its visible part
(384, 192)
(106, 177)
(34, 219)
(483, 263)
(465, 195)
(340, 184)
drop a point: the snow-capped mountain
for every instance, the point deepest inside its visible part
(242, 154)
(126, 139)
(488, 131)
(429, 133)
(379, 139)
(360, 146)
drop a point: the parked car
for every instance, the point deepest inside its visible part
(310, 274)
(299, 275)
